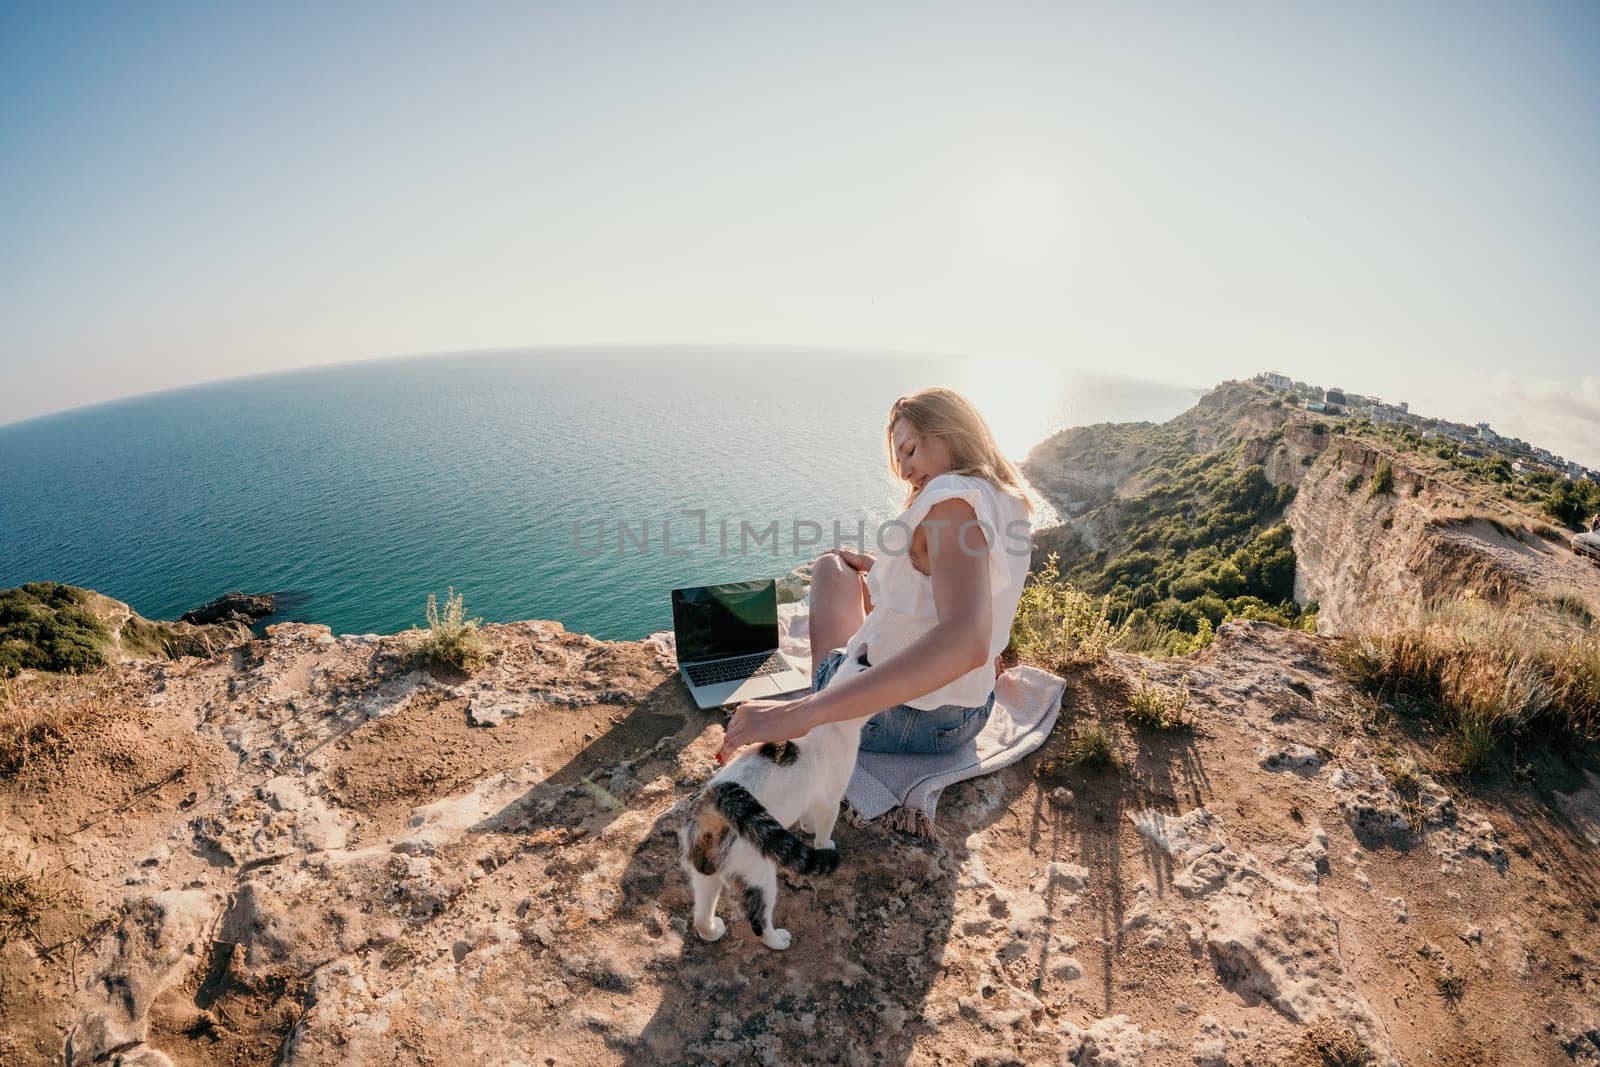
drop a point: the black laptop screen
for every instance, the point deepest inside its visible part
(712, 621)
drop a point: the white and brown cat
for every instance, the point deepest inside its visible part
(738, 828)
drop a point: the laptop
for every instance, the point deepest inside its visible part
(727, 641)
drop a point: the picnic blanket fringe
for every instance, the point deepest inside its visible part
(906, 820)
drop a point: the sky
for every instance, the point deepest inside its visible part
(1401, 199)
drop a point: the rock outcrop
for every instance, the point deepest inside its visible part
(233, 607)
(1376, 560)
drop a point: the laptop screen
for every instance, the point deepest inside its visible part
(732, 619)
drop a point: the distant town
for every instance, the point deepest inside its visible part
(1477, 441)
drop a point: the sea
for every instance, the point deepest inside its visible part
(576, 484)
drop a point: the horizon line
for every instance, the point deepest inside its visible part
(560, 347)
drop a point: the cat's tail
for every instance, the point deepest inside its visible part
(771, 838)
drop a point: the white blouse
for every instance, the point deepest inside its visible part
(903, 608)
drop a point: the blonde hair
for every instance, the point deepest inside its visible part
(949, 416)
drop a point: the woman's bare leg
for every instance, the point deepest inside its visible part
(838, 598)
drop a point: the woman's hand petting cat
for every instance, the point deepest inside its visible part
(756, 722)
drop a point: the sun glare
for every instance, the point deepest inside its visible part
(1017, 397)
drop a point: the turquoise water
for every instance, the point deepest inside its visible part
(360, 488)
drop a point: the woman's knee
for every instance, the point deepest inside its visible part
(828, 570)
(835, 599)
(830, 562)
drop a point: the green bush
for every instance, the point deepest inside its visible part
(1572, 502)
(1205, 529)
(1189, 586)
(1382, 479)
(1057, 625)
(452, 641)
(1092, 745)
(1157, 707)
(46, 626)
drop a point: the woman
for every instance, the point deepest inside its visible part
(932, 615)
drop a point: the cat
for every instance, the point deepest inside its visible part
(738, 831)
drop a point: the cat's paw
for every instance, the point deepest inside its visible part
(775, 938)
(804, 826)
(718, 928)
(826, 844)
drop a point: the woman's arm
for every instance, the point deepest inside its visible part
(957, 643)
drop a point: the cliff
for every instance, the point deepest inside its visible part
(299, 850)
(1364, 559)
(1376, 560)
(1085, 468)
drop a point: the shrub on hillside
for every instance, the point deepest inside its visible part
(46, 626)
(1572, 502)
(1382, 479)
(1204, 529)
(1148, 638)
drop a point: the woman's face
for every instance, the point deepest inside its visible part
(921, 457)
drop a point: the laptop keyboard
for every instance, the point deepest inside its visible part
(740, 667)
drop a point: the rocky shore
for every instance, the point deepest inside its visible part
(239, 607)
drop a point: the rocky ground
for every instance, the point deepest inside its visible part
(301, 851)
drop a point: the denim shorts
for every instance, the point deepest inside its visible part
(903, 728)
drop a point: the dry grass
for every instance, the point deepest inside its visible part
(1575, 608)
(1512, 530)
(452, 641)
(1158, 707)
(1340, 1047)
(1451, 986)
(40, 717)
(23, 899)
(397, 954)
(28, 728)
(1486, 674)
(1404, 779)
(1058, 627)
(1093, 746)
(1154, 641)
